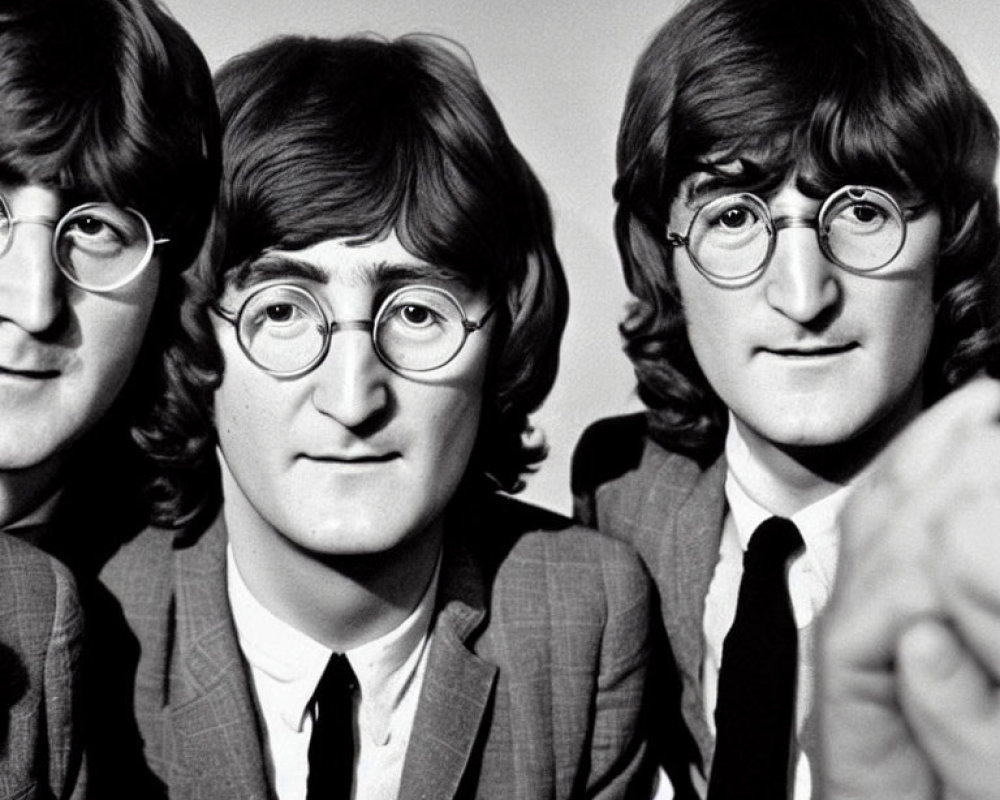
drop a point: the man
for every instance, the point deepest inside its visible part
(377, 310)
(910, 660)
(108, 163)
(808, 222)
(108, 168)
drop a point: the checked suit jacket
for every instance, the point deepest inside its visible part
(671, 509)
(534, 686)
(41, 628)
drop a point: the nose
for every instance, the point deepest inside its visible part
(800, 282)
(352, 382)
(32, 290)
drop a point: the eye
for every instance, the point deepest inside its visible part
(91, 226)
(98, 233)
(730, 215)
(737, 217)
(867, 214)
(418, 316)
(279, 312)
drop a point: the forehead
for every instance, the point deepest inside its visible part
(346, 261)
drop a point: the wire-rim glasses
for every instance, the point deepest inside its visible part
(98, 247)
(731, 239)
(284, 330)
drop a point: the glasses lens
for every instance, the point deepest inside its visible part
(863, 227)
(420, 329)
(730, 237)
(101, 246)
(282, 328)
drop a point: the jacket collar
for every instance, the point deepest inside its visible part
(458, 684)
(217, 740)
(217, 744)
(691, 533)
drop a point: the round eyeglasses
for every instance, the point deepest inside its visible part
(731, 239)
(97, 246)
(283, 329)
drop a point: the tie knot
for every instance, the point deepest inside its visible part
(337, 681)
(773, 543)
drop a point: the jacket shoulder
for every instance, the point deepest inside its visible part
(543, 551)
(140, 564)
(608, 448)
(617, 465)
(615, 448)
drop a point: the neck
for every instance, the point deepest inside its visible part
(24, 490)
(340, 601)
(785, 479)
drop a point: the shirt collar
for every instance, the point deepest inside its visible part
(817, 522)
(295, 662)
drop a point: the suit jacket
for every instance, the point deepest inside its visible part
(41, 629)
(533, 688)
(671, 509)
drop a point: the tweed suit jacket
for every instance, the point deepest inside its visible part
(672, 511)
(534, 686)
(41, 628)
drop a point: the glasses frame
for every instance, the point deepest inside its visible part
(57, 223)
(469, 326)
(774, 224)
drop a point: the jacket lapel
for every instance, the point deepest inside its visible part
(457, 689)
(693, 537)
(216, 742)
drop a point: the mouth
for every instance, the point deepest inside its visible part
(29, 374)
(359, 460)
(811, 351)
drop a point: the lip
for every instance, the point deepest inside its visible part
(352, 459)
(811, 351)
(37, 374)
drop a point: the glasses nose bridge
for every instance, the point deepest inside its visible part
(337, 325)
(13, 222)
(34, 219)
(334, 326)
(793, 221)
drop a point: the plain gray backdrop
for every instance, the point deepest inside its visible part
(557, 71)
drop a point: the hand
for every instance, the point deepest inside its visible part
(952, 703)
(916, 544)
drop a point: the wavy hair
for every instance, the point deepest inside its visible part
(838, 91)
(357, 137)
(112, 100)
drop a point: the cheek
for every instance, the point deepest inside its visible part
(712, 317)
(244, 412)
(908, 318)
(446, 420)
(112, 333)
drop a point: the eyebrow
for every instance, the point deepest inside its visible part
(271, 266)
(274, 266)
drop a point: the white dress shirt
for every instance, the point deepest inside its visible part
(286, 666)
(810, 580)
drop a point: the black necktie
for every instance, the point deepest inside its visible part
(756, 702)
(331, 746)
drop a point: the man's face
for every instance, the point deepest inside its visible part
(351, 457)
(65, 353)
(811, 354)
